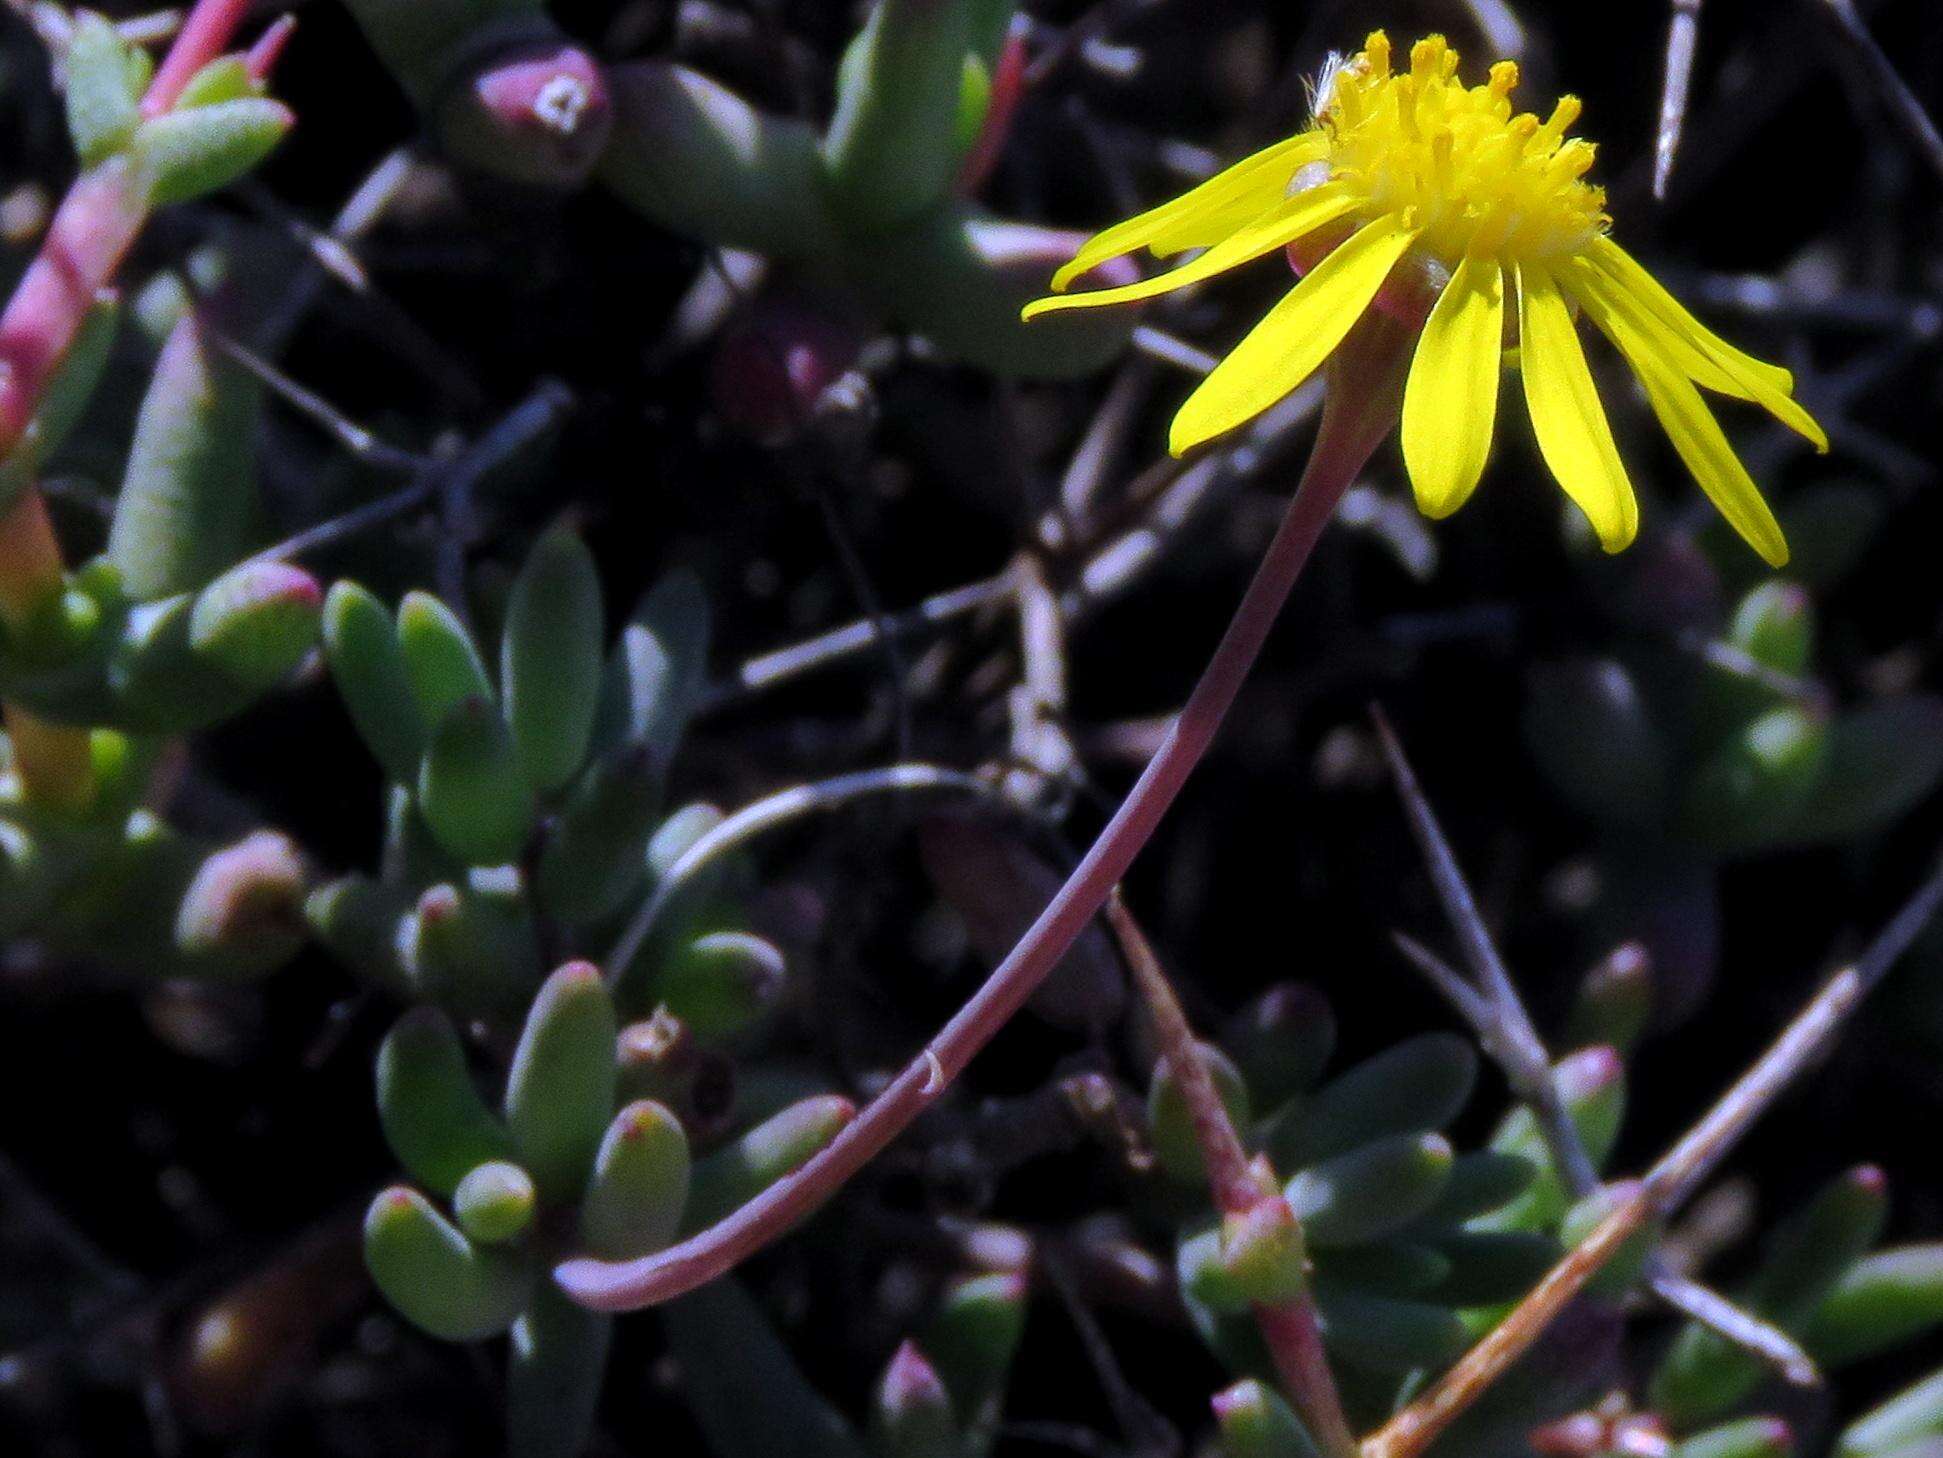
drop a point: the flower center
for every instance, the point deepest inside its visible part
(1476, 178)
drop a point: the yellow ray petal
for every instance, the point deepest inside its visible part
(1686, 343)
(1252, 186)
(1295, 337)
(1573, 435)
(1296, 216)
(1450, 406)
(1695, 434)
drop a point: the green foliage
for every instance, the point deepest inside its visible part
(1699, 758)
(869, 209)
(560, 1171)
(105, 80)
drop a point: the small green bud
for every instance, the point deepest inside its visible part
(1263, 1253)
(227, 78)
(1615, 1000)
(472, 946)
(494, 1203)
(242, 910)
(256, 623)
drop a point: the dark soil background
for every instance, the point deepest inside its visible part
(160, 1146)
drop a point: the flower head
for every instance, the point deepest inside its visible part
(1416, 194)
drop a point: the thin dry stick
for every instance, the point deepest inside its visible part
(1682, 34)
(1904, 105)
(1498, 1013)
(1361, 409)
(1666, 1185)
(1499, 1017)
(785, 807)
(1290, 1329)
(1704, 1305)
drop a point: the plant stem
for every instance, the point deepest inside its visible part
(91, 233)
(204, 36)
(1365, 381)
(1290, 1329)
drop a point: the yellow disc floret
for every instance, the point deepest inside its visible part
(1473, 177)
(1433, 202)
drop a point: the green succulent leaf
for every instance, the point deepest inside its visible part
(550, 658)
(435, 1277)
(432, 1114)
(560, 1092)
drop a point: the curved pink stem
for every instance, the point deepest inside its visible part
(204, 36)
(1361, 407)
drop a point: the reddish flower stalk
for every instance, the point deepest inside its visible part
(204, 36)
(1366, 377)
(1290, 1328)
(1008, 88)
(91, 233)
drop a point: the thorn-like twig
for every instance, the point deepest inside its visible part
(532, 417)
(1504, 1027)
(1682, 37)
(1495, 1010)
(1905, 107)
(1666, 1185)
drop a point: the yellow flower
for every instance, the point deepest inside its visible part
(1413, 192)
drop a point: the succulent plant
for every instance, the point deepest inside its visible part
(870, 219)
(562, 1166)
